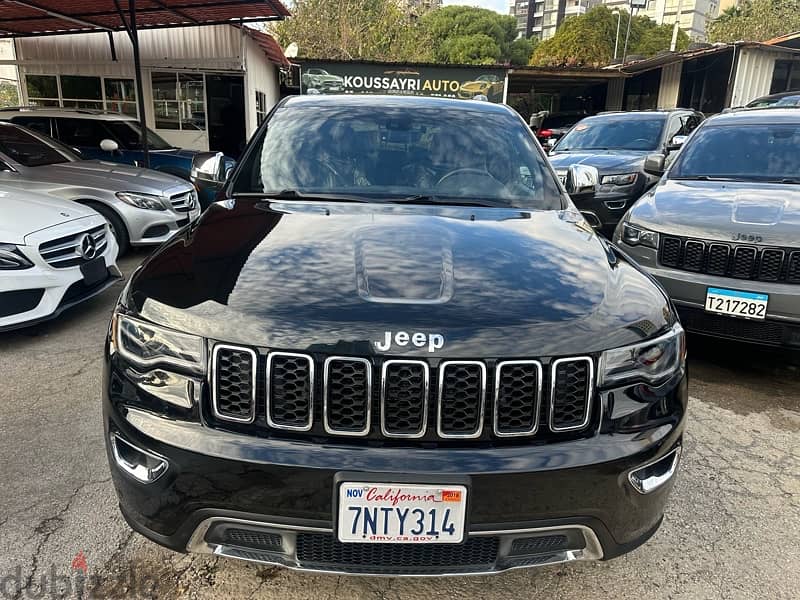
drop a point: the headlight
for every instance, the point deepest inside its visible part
(147, 345)
(147, 201)
(624, 179)
(633, 235)
(652, 362)
(12, 258)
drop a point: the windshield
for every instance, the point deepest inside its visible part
(754, 152)
(129, 135)
(397, 153)
(619, 132)
(28, 150)
(788, 101)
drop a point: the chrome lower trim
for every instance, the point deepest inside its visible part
(589, 393)
(537, 400)
(140, 473)
(482, 402)
(425, 386)
(652, 483)
(270, 422)
(368, 367)
(593, 550)
(215, 399)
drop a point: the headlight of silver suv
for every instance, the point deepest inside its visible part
(623, 179)
(12, 258)
(634, 235)
(146, 201)
(147, 345)
(652, 362)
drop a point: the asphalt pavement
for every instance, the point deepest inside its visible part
(730, 532)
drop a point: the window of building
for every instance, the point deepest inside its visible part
(179, 101)
(261, 107)
(79, 91)
(121, 96)
(42, 90)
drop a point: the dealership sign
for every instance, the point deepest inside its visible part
(402, 80)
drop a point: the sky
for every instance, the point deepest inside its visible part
(500, 6)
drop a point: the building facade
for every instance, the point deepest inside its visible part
(199, 83)
(691, 15)
(540, 18)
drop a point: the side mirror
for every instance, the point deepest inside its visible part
(107, 145)
(654, 164)
(581, 179)
(676, 142)
(209, 167)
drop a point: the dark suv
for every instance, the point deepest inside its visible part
(395, 348)
(629, 150)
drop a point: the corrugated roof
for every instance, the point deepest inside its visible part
(20, 18)
(269, 45)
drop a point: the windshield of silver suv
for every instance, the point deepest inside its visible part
(754, 152)
(29, 151)
(615, 132)
(129, 135)
(387, 154)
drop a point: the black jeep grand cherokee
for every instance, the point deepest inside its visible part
(395, 348)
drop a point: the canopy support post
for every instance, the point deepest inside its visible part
(137, 68)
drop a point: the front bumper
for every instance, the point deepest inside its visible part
(688, 289)
(151, 227)
(40, 293)
(576, 495)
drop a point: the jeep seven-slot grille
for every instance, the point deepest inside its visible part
(396, 398)
(730, 260)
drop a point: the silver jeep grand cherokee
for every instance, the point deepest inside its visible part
(721, 231)
(141, 206)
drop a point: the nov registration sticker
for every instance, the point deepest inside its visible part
(379, 513)
(748, 305)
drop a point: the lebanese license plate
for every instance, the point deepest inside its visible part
(94, 271)
(401, 514)
(748, 305)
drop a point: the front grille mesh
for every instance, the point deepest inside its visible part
(737, 261)
(289, 386)
(461, 394)
(321, 550)
(409, 399)
(233, 392)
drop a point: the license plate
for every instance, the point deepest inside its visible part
(748, 305)
(94, 271)
(401, 514)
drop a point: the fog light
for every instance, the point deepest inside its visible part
(142, 465)
(652, 476)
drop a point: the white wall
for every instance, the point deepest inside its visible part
(670, 85)
(754, 74)
(261, 75)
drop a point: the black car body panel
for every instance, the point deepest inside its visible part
(319, 281)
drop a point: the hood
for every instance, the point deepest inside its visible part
(336, 277)
(722, 210)
(180, 152)
(107, 176)
(606, 161)
(331, 78)
(475, 85)
(23, 213)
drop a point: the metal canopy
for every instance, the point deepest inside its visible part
(29, 18)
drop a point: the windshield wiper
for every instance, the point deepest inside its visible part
(429, 199)
(296, 195)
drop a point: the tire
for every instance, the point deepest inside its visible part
(118, 228)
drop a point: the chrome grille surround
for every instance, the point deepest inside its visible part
(537, 405)
(425, 388)
(215, 383)
(183, 202)
(588, 397)
(62, 253)
(481, 401)
(270, 421)
(368, 400)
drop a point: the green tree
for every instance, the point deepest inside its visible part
(353, 29)
(755, 20)
(588, 40)
(8, 94)
(521, 50)
(465, 34)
